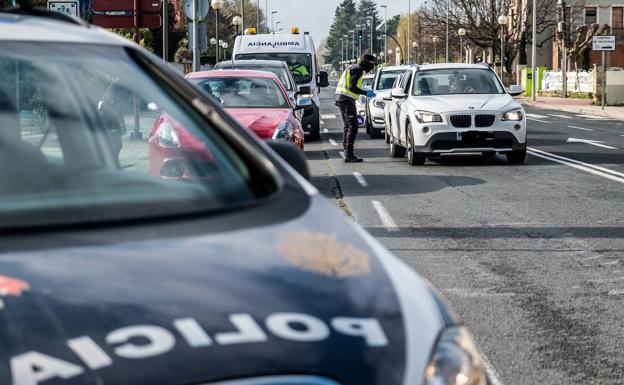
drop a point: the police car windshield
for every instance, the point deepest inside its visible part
(235, 92)
(456, 82)
(300, 65)
(387, 78)
(89, 135)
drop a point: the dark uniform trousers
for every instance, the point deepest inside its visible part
(348, 111)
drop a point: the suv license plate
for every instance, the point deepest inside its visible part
(459, 136)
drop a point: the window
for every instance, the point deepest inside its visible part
(300, 64)
(590, 15)
(87, 134)
(617, 17)
(234, 92)
(367, 84)
(456, 81)
(387, 78)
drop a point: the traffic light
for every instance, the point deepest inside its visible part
(360, 34)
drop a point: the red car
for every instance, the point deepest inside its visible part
(257, 100)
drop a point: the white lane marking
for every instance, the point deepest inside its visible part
(596, 170)
(560, 116)
(385, 216)
(594, 117)
(325, 130)
(490, 371)
(333, 142)
(581, 128)
(360, 178)
(342, 154)
(538, 120)
(536, 116)
(597, 143)
(322, 122)
(328, 116)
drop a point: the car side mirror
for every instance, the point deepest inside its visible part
(397, 93)
(292, 155)
(515, 90)
(323, 79)
(304, 90)
(303, 104)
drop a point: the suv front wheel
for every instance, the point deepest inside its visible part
(516, 157)
(414, 158)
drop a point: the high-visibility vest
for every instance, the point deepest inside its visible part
(299, 69)
(345, 82)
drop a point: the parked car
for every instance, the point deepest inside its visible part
(383, 82)
(279, 68)
(455, 108)
(113, 276)
(360, 103)
(257, 100)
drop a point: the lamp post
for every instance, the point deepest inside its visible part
(237, 21)
(353, 46)
(409, 29)
(435, 48)
(273, 20)
(359, 49)
(224, 45)
(502, 21)
(385, 7)
(461, 32)
(217, 5)
(397, 55)
(213, 42)
(415, 46)
(341, 52)
(242, 15)
(534, 52)
(371, 22)
(448, 12)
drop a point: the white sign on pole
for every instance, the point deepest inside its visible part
(203, 5)
(603, 43)
(70, 8)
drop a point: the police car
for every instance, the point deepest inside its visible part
(111, 275)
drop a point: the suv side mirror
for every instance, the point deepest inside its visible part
(397, 93)
(387, 97)
(323, 79)
(304, 90)
(515, 90)
(292, 155)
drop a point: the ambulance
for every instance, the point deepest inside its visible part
(298, 51)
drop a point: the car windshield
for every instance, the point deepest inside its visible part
(280, 72)
(243, 92)
(387, 78)
(300, 64)
(87, 134)
(456, 81)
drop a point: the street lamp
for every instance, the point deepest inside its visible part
(273, 20)
(461, 32)
(534, 52)
(224, 45)
(397, 53)
(371, 22)
(415, 46)
(353, 45)
(359, 50)
(385, 7)
(237, 21)
(448, 12)
(435, 48)
(217, 5)
(502, 21)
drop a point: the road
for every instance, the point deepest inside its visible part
(530, 256)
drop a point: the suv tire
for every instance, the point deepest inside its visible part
(516, 157)
(413, 158)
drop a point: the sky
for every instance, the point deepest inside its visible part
(316, 16)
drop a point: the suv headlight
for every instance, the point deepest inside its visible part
(283, 131)
(512, 116)
(427, 117)
(379, 103)
(167, 136)
(455, 360)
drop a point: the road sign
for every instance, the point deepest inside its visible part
(126, 5)
(151, 21)
(202, 11)
(603, 43)
(203, 37)
(70, 8)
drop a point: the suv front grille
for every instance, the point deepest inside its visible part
(461, 121)
(484, 120)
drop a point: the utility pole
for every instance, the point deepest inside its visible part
(165, 27)
(195, 36)
(266, 16)
(243, 16)
(534, 53)
(561, 28)
(448, 11)
(372, 21)
(408, 49)
(258, 16)
(385, 7)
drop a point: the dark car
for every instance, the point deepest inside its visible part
(112, 276)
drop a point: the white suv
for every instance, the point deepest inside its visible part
(382, 85)
(454, 108)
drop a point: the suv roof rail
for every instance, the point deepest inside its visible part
(25, 8)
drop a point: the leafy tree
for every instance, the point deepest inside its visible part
(368, 13)
(344, 23)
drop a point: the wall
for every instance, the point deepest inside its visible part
(615, 88)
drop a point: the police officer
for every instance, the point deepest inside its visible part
(348, 90)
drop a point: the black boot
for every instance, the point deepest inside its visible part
(350, 158)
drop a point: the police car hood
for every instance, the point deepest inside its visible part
(308, 296)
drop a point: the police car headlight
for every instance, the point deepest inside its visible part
(455, 360)
(512, 116)
(427, 117)
(283, 131)
(167, 136)
(379, 103)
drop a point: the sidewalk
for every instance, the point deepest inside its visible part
(577, 106)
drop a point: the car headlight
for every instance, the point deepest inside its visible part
(283, 131)
(379, 103)
(167, 136)
(513, 116)
(427, 117)
(455, 360)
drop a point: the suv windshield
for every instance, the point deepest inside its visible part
(300, 64)
(280, 72)
(86, 134)
(234, 92)
(387, 78)
(456, 81)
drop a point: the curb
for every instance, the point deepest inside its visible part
(575, 109)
